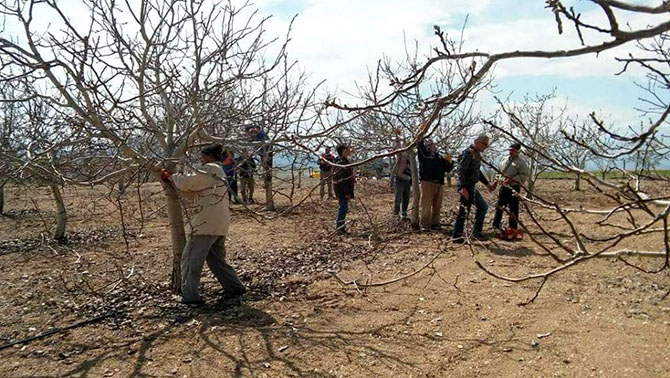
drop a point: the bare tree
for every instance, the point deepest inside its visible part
(538, 123)
(594, 36)
(8, 123)
(151, 70)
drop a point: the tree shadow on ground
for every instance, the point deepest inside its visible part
(246, 341)
(289, 347)
(249, 342)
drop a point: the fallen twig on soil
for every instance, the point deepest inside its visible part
(118, 282)
(537, 292)
(58, 330)
(384, 283)
(455, 284)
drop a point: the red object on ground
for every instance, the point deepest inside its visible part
(511, 234)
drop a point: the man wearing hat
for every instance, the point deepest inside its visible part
(208, 227)
(469, 174)
(515, 172)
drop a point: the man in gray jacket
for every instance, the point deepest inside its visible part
(469, 174)
(515, 173)
(207, 229)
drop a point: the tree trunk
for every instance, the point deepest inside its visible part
(449, 174)
(61, 213)
(392, 162)
(531, 187)
(177, 235)
(416, 191)
(531, 178)
(2, 198)
(267, 184)
(578, 182)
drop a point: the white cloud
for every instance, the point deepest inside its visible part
(541, 33)
(338, 41)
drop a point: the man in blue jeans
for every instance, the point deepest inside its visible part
(469, 174)
(343, 185)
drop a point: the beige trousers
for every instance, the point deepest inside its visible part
(247, 188)
(431, 203)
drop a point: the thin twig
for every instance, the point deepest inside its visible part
(58, 330)
(384, 283)
(532, 299)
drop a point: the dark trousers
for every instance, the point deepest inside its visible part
(402, 189)
(341, 212)
(506, 197)
(474, 198)
(232, 187)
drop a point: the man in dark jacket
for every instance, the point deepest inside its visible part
(343, 183)
(432, 169)
(256, 134)
(402, 179)
(469, 174)
(326, 172)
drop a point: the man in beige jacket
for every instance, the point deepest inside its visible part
(515, 174)
(207, 229)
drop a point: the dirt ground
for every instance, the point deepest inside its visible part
(601, 318)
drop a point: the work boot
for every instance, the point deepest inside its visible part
(233, 297)
(192, 302)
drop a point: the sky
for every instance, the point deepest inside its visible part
(338, 41)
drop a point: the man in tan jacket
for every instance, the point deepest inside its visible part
(515, 174)
(207, 229)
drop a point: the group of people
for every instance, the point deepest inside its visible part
(240, 170)
(433, 169)
(211, 187)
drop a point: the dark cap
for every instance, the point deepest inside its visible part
(516, 146)
(213, 150)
